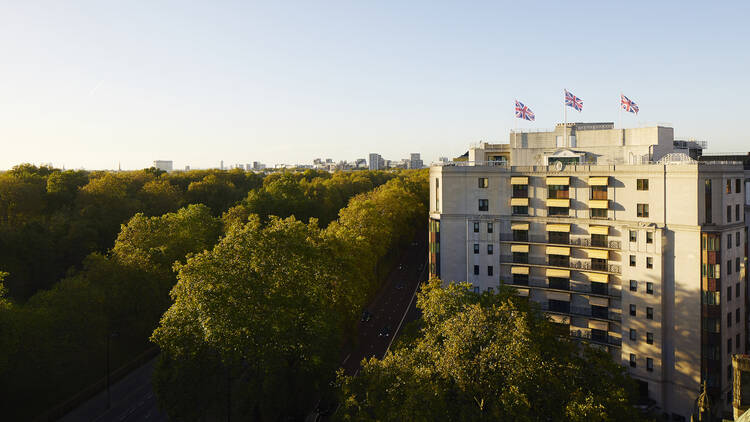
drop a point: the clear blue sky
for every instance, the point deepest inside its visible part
(93, 83)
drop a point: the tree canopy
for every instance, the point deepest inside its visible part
(487, 357)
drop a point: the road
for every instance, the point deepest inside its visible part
(133, 400)
(391, 306)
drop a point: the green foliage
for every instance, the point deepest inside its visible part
(58, 335)
(487, 357)
(264, 297)
(270, 306)
(91, 253)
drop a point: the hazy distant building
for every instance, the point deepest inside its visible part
(376, 162)
(360, 163)
(415, 162)
(165, 165)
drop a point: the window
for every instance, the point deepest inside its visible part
(737, 315)
(632, 310)
(729, 294)
(737, 185)
(642, 184)
(737, 215)
(632, 260)
(649, 365)
(737, 265)
(633, 236)
(642, 210)
(483, 182)
(650, 338)
(476, 248)
(729, 186)
(476, 227)
(729, 346)
(649, 262)
(489, 270)
(598, 212)
(476, 270)
(729, 241)
(520, 210)
(737, 290)
(633, 335)
(632, 360)
(649, 237)
(737, 239)
(649, 287)
(649, 313)
(489, 227)
(490, 249)
(729, 213)
(729, 267)
(633, 285)
(729, 319)
(484, 205)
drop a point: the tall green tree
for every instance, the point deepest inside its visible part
(263, 303)
(484, 358)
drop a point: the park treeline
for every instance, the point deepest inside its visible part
(91, 256)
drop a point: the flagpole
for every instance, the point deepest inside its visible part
(565, 123)
(619, 112)
(515, 128)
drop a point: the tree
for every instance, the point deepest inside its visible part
(263, 303)
(487, 357)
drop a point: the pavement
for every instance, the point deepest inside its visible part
(133, 399)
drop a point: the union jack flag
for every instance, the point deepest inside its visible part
(523, 112)
(573, 101)
(628, 104)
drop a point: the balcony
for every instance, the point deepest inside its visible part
(573, 264)
(587, 335)
(576, 241)
(581, 311)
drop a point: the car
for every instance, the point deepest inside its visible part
(366, 316)
(385, 331)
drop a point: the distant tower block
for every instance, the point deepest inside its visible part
(165, 165)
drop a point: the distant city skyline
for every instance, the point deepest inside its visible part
(105, 83)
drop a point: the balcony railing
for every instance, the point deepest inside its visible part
(575, 241)
(574, 264)
(586, 335)
(582, 311)
(575, 286)
(580, 264)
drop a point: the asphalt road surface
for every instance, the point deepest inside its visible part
(392, 307)
(133, 400)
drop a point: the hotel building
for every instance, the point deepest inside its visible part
(620, 235)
